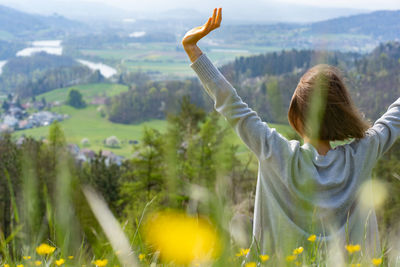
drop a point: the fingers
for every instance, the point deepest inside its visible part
(219, 17)
(213, 22)
(216, 18)
(207, 26)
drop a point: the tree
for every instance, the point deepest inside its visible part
(75, 99)
(112, 142)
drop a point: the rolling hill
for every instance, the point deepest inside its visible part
(15, 24)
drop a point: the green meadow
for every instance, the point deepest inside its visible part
(165, 58)
(88, 91)
(87, 123)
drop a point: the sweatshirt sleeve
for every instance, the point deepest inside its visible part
(385, 130)
(258, 137)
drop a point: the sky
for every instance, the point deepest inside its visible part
(234, 10)
(171, 4)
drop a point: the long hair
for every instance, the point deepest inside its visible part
(321, 107)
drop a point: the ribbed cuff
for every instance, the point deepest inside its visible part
(204, 68)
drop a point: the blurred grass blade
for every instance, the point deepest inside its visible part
(111, 227)
(13, 202)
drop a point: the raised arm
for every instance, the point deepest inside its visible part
(385, 130)
(256, 134)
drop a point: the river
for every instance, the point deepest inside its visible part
(54, 47)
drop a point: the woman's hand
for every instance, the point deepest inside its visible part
(191, 38)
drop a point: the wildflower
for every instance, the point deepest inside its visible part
(37, 263)
(376, 261)
(355, 265)
(298, 251)
(243, 252)
(101, 263)
(251, 264)
(20, 265)
(264, 258)
(141, 257)
(181, 238)
(60, 262)
(291, 258)
(27, 257)
(71, 257)
(6, 265)
(312, 238)
(353, 248)
(45, 249)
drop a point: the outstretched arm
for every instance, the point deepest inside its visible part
(256, 134)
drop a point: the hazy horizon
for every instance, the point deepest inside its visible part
(256, 10)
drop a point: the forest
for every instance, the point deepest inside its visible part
(31, 76)
(266, 82)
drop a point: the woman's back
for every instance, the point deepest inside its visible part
(300, 192)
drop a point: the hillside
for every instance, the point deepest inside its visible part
(384, 25)
(19, 25)
(360, 33)
(267, 82)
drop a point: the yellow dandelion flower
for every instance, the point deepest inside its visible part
(181, 238)
(355, 265)
(60, 262)
(353, 248)
(264, 258)
(291, 258)
(6, 265)
(27, 257)
(312, 238)
(45, 249)
(298, 251)
(377, 261)
(101, 263)
(141, 257)
(243, 252)
(251, 264)
(38, 263)
(20, 265)
(70, 257)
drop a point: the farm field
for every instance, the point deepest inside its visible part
(88, 91)
(87, 123)
(165, 58)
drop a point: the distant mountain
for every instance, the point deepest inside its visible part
(17, 24)
(255, 11)
(359, 33)
(381, 24)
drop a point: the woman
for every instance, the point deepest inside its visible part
(312, 188)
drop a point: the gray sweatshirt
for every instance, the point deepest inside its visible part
(299, 192)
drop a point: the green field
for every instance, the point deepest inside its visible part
(165, 58)
(88, 91)
(88, 123)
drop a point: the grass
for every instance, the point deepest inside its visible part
(88, 91)
(167, 58)
(87, 123)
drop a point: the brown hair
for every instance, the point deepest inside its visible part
(338, 118)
